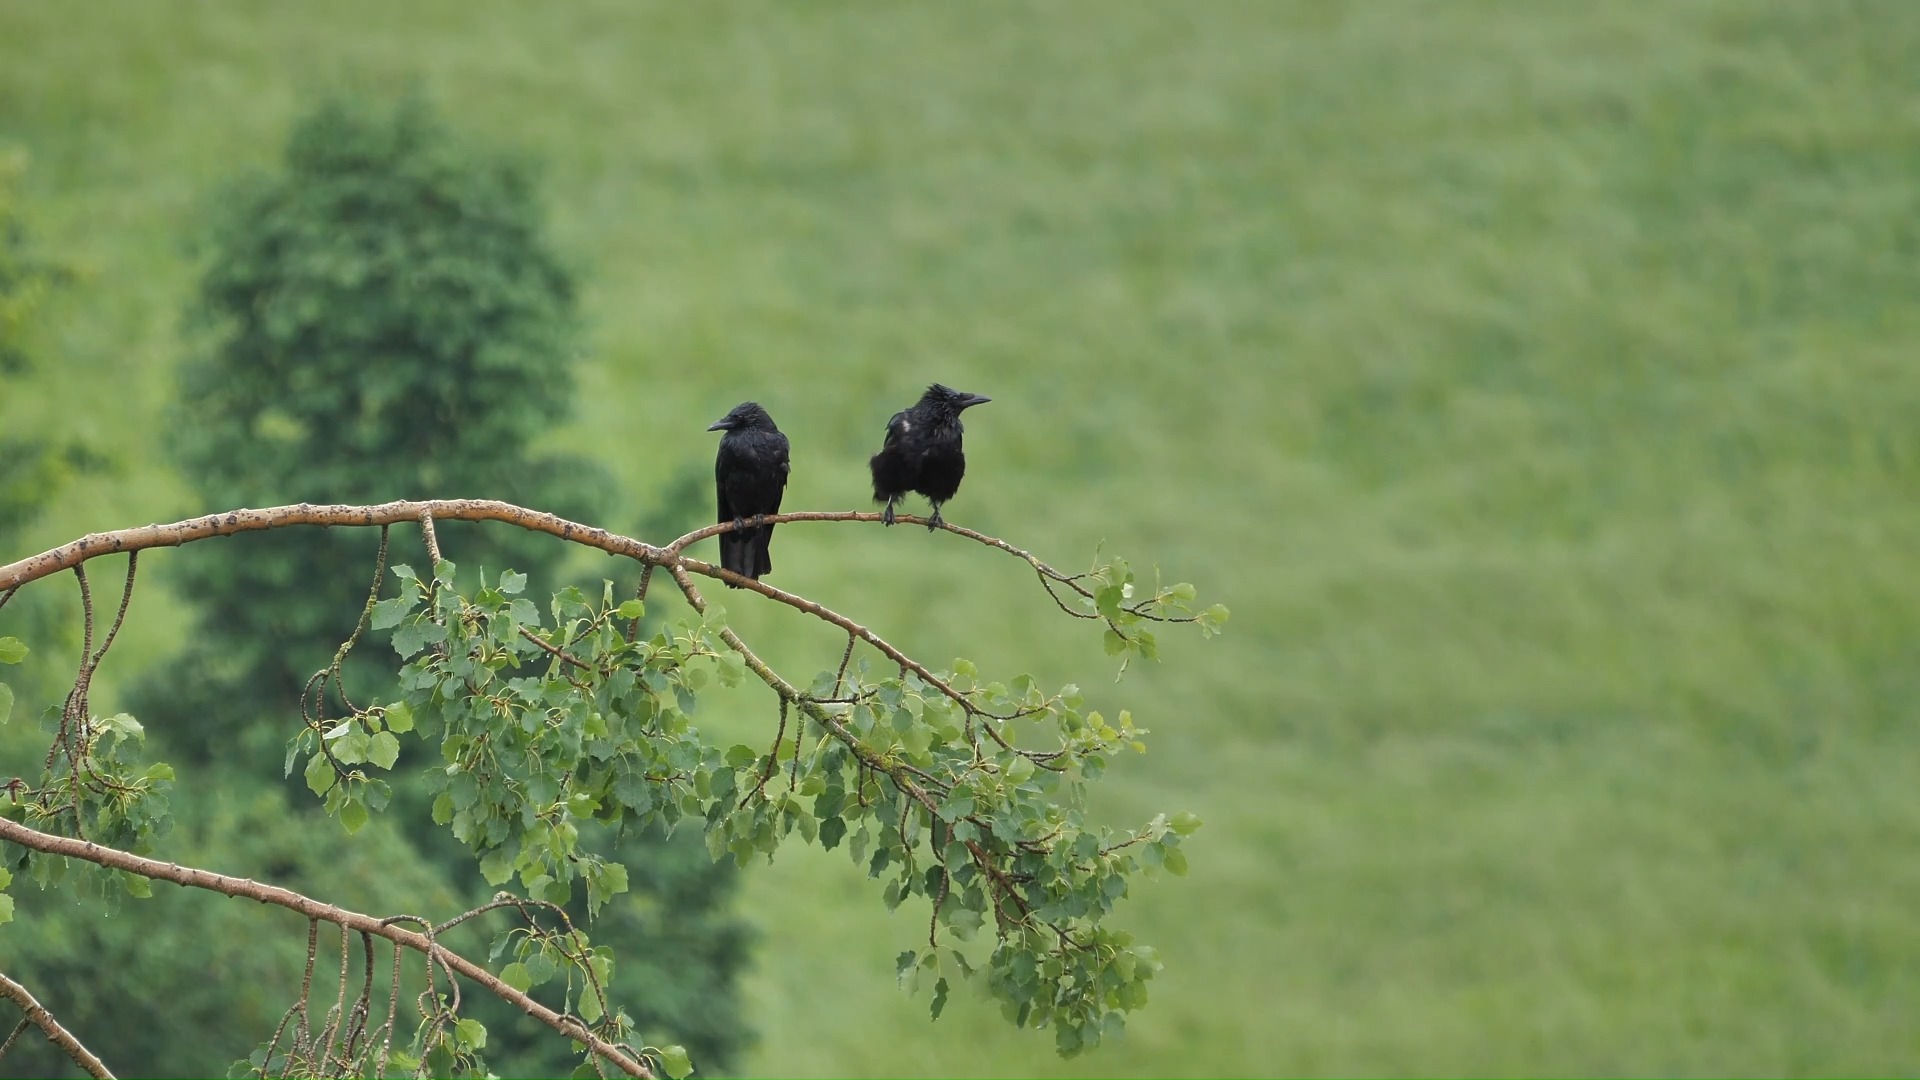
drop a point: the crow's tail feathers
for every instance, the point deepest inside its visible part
(762, 560)
(736, 554)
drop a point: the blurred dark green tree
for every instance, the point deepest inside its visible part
(34, 465)
(385, 319)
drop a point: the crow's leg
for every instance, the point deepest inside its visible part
(936, 520)
(886, 515)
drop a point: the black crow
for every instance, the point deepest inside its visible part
(922, 451)
(749, 476)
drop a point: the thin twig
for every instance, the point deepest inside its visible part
(557, 652)
(336, 1016)
(393, 1008)
(639, 593)
(305, 1036)
(23, 1025)
(433, 540)
(57, 1035)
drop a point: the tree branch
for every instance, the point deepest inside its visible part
(57, 1035)
(861, 751)
(233, 522)
(72, 555)
(192, 877)
(1094, 593)
(93, 545)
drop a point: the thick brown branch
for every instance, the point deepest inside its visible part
(74, 554)
(57, 1035)
(238, 521)
(67, 556)
(233, 522)
(192, 877)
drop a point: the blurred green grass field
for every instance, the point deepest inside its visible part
(1536, 382)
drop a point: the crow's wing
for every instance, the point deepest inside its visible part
(785, 465)
(897, 429)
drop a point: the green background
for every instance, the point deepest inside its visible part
(1536, 382)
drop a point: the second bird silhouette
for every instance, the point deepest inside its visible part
(749, 477)
(922, 452)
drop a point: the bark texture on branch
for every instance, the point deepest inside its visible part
(94, 545)
(67, 556)
(39, 1017)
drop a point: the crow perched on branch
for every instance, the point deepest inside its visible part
(922, 451)
(749, 476)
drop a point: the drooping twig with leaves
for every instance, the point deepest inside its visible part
(960, 792)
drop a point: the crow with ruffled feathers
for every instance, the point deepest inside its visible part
(922, 452)
(749, 476)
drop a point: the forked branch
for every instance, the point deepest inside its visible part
(1101, 595)
(38, 1016)
(192, 877)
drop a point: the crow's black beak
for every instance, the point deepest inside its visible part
(718, 425)
(974, 399)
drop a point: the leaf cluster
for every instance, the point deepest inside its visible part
(94, 783)
(964, 795)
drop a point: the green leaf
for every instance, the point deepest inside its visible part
(613, 878)
(12, 650)
(383, 749)
(400, 717)
(472, 1032)
(540, 966)
(939, 997)
(6, 702)
(831, 830)
(733, 668)
(903, 965)
(516, 976)
(674, 1061)
(1175, 861)
(6, 908)
(1066, 1039)
(351, 748)
(632, 609)
(739, 756)
(389, 612)
(496, 866)
(353, 814)
(512, 584)
(1185, 822)
(916, 739)
(465, 789)
(1115, 644)
(590, 1010)
(320, 775)
(417, 635)
(136, 885)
